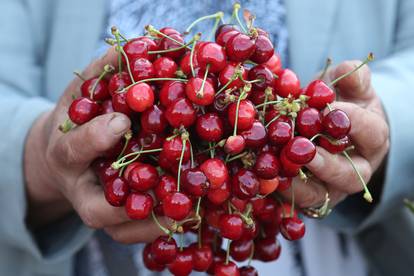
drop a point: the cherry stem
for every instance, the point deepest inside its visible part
(271, 121)
(235, 14)
(184, 141)
(128, 137)
(369, 58)
(107, 69)
(191, 154)
(213, 31)
(233, 77)
(237, 112)
(292, 207)
(191, 58)
(211, 148)
(120, 163)
(66, 126)
(181, 242)
(267, 92)
(199, 237)
(165, 230)
(228, 252)
(325, 68)
(240, 155)
(217, 16)
(303, 176)
(127, 64)
(195, 38)
(79, 75)
(151, 79)
(251, 255)
(118, 43)
(151, 29)
(270, 102)
(200, 93)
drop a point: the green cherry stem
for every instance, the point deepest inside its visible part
(195, 38)
(228, 252)
(251, 255)
(270, 102)
(292, 207)
(235, 15)
(369, 58)
(217, 16)
(151, 79)
(128, 137)
(236, 120)
(118, 45)
(325, 68)
(184, 141)
(200, 93)
(191, 58)
(120, 163)
(66, 126)
(213, 31)
(128, 65)
(107, 69)
(154, 32)
(165, 230)
(191, 154)
(271, 121)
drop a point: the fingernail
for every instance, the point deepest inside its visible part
(118, 124)
(318, 161)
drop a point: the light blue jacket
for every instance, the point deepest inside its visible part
(42, 42)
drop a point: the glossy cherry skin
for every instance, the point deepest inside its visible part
(240, 250)
(267, 249)
(181, 113)
(104, 170)
(336, 146)
(185, 64)
(136, 48)
(319, 94)
(300, 150)
(101, 90)
(256, 136)
(149, 261)
(169, 31)
(164, 250)
(165, 186)
(211, 54)
(245, 184)
(261, 72)
(223, 269)
(279, 132)
(287, 84)
(170, 91)
(336, 124)
(202, 257)
(140, 97)
(250, 232)
(231, 226)
(106, 107)
(267, 186)
(240, 47)
(138, 205)
(248, 271)
(142, 69)
(176, 206)
(225, 28)
(166, 44)
(274, 64)
(218, 258)
(82, 110)
(227, 73)
(143, 177)
(264, 50)
(165, 67)
(309, 122)
(153, 120)
(269, 210)
(235, 144)
(284, 183)
(292, 229)
(209, 127)
(267, 165)
(118, 82)
(224, 37)
(182, 264)
(246, 115)
(119, 104)
(116, 191)
(220, 195)
(148, 141)
(289, 168)
(196, 95)
(194, 182)
(172, 149)
(216, 172)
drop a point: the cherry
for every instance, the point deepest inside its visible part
(248, 271)
(336, 124)
(185, 64)
(176, 206)
(319, 94)
(107, 107)
(284, 183)
(264, 50)
(169, 31)
(170, 91)
(274, 64)
(336, 146)
(166, 44)
(119, 104)
(212, 216)
(140, 97)
(309, 122)
(149, 261)
(164, 250)
(82, 110)
(182, 264)
(240, 47)
(261, 72)
(142, 69)
(139, 205)
(136, 48)
(257, 204)
(267, 186)
(218, 258)
(219, 195)
(118, 82)
(143, 177)
(287, 84)
(283, 211)
(227, 74)
(165, 67)
(202, 257)
(166, 185)
(199, 94)
(181, 113)
(148, 141)
(151, 46)
(267, 249)
(211, 54)
(216, 172)
(195, 182)
(225, 36)
(153, 120)
(246, 115)
(266, 166)
(209, 127)
(234, 144)
(245, 184)
(292, 228)
(100, 92)
(116, 191)
(104, 170)
(256, 136)
(172, 149)
(300, 150)
(225, 28)
(289, 168)
(231, 226)
(250, 232)
(223, 269)
(240, 250)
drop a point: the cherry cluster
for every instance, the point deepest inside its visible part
(218, 128)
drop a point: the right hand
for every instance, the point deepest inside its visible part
(57, 168)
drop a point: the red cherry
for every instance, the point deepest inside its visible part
(336, 124)
(257, 204)
(269, 211)
(284, 183)
(336, 146)
(266, 166)
(250, 232)
(195, 182)
(218, 258)
(169, 31)
(248, 271)
(149, 261)
(235, 144)
(142, 69)
(83, 110)
(211, 54)
(289, 168)
(172, 149)
(231, 226)
(300, 150)
(264, 50)
(166, 44)
(240, 47)
(261, 72)
(103, 168)
(101, 89)
(181, 113)
(182, 264)
(319, 94)
(267, 249)
(268, 186)
(287, 84)
(136, 48)
(225, 28)
(164, 67)
(279, 132)
(140, 97)
(176, 206)
(139, 205)
(153, 120)
(143, 177)
(148, 141)
(309, 122)
(209, 127)
(256, 136)
(274, 64)
(229, 269)
(246, 115)
(170, 91)
(245, 184)
(240, 250)
(239, 204)
(119, 104)
(166, 185)
(219, 195)
(116, 191)
(216, 172)
(118, 82)
(196, 94)
(202, 257)
(292, 228)
(107, 107)
(164, 250)
(227, 73)
(225, 36)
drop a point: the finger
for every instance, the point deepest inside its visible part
(337, 172)
(80, 146)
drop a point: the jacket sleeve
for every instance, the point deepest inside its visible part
(20, 104)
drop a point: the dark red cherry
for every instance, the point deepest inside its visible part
(235, 144)
(139, 205)
(197, 93)
(334, 146)
(202, 256)
(228, 73)
(239, 204)
(300, 150)
(176, 206)
(106, 107)
(142, 69)
(153, 120)
(267, 249)
(151, 46)
(257, 204)
(194, 182)
(256, 136)
(289, 168)
(279, 132)
(136, 48)
(292, 228)
(165, 67)
(172, 149)
(143, 177)
(274, 64)
(251, 231)
(100, 92)
(231, 226)
(248, 271)
(309, 122)
(224, 37)
(169, 31)
(211, 54)
(103, 168)
(82, 110)
(269, 210)
(116, 191)
(266, 166)
(149, 261)
(170, 91)
(284, 183)
(229, 269)
(218, 258)
(246, 115)
(287, 84)
(262, 73)
(240, 47)
(181, 113)
(164, 250)
(319, 94)
(166, 185)
(264, 50)
(240, 250)
(219, 195)
(209, 127)
(140, 97)
(148, 141)
(336, 124)
(225, 28)
(119, 104)
(216, 172)
(118, 82)
(245, 184)
(185, 64)
(166, 44)
(182, 264)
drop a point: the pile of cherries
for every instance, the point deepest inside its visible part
(218, 128)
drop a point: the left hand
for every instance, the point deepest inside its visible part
(369, 134)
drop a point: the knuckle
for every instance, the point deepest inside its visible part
(88, 217)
